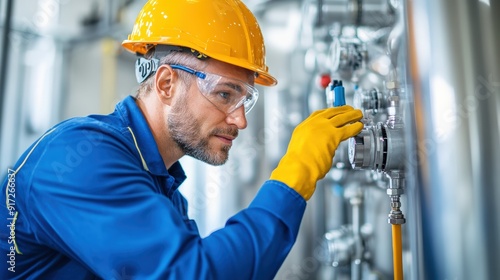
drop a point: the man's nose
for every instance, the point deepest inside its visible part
(238, 118)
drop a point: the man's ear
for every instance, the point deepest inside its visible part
(165, 83)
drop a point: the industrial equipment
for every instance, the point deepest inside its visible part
(414, 195)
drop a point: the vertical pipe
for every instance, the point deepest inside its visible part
(397, 252)
(358, 247)
(108, 76)
(454, 64)
(4, 56)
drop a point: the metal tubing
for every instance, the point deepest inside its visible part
(356, 263)
(373, 13)
(4, 60)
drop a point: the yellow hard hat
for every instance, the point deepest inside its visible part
(225, 30)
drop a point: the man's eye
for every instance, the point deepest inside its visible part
(225, 97)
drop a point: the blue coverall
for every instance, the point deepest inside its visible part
(92, 199)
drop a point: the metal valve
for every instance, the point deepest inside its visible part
(338, 247)
(347, 54)
(379, 148)
(373, 101)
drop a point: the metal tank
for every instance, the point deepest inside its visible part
(454, 64)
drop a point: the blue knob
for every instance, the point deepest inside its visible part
(339, 94)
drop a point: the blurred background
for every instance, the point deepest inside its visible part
(425, 74)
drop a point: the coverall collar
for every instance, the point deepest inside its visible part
(146, 144)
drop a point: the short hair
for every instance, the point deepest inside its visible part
(173, 57)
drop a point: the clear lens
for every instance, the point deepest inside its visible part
(227, 94)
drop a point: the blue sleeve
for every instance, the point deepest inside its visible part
(90, 199)
(256, 241)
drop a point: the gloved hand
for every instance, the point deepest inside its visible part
(312, 147)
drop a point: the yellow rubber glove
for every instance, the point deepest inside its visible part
(312, 147)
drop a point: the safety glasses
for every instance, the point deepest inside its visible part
(226, 94)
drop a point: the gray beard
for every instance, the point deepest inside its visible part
(185, 131)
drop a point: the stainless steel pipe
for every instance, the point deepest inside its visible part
(454, 60)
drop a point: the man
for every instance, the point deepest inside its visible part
(96, 197)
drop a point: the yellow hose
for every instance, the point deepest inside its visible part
(397, 252)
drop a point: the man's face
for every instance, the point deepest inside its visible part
(199, 128)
